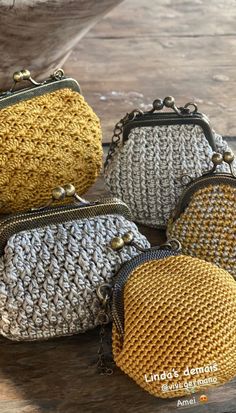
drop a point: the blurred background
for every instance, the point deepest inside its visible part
(148, 49)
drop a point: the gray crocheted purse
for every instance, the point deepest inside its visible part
(53, 259)
(151, 152)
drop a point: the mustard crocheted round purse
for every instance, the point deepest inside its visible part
(205, 218)
(174, 323)
(49, 136)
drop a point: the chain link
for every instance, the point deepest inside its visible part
(58, 74)
(102, 365)
(118, 131)
(104, 295)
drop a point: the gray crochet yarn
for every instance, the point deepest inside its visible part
(48, 276)
(145, 171)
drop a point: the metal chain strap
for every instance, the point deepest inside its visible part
(104, 295)
(117, 133)
(102, 364)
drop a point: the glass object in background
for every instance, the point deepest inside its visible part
(40, 34)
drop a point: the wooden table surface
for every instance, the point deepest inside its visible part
(144, 50)
(138, 52)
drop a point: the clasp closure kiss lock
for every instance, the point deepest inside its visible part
(169, 102)
(59, 194)
(217, 160)
(25, 74)
(118, 243)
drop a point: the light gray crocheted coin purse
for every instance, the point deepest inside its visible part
(152, 152)
(52, 261)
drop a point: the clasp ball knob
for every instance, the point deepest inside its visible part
(128, 237)
(158, 104)
(58, 193)
(26, 74)
(69, 189)
(117, 243)
(169, 101)
(217, 159)
(228, 157)
(17, 77)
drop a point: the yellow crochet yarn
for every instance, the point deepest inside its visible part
(207, 227)
(179, 326)
(45, 142)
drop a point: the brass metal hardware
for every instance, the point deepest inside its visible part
(117, 132)
(228, 157)
(128, 237)
(58, 193)
(191, 104)
(173, 244)
(21, 75)
(56, 81)
(158, 104)
(104, 293)
(17, 76)
(41, 217)
(58, 74)
(117, 243)
(25, 74)
(217, 159)
(169, 102)
(185, 179)
(69, 190)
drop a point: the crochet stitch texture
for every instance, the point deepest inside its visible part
(207, 227)
(49, 276)
(146, 171)
(179, 312)
(47, 141)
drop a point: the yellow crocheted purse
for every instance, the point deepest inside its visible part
(205, 218)
(48, 136)
(174, 322)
